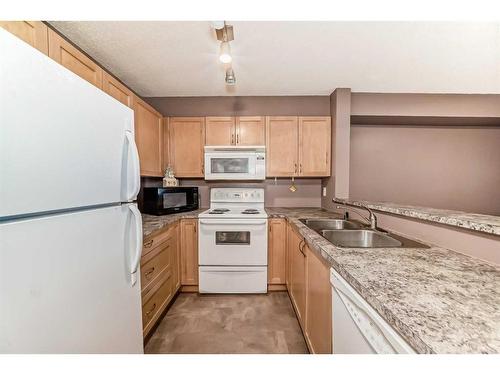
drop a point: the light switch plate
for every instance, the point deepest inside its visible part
(324, 191)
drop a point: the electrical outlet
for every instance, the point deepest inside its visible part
(324, 191)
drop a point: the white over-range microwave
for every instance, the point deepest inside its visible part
(235, 162)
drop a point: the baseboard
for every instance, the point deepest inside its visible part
(276, 287)
(189, 289)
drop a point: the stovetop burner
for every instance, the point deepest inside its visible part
(250, 211)
(218, 211)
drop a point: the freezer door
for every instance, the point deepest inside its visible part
(63, 142)
(67, 283)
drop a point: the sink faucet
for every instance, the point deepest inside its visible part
(372, 218)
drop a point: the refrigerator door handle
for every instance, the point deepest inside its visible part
(134, 266)
(135, 165)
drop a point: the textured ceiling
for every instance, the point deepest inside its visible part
(295, 58)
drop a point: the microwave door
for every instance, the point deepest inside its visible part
(230, 166)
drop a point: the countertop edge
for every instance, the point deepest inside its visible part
(475, 222)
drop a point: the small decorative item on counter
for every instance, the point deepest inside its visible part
(169, 179)
(292, 187)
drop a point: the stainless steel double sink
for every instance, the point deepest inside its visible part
(347, 233)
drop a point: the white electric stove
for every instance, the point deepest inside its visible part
(233, 242)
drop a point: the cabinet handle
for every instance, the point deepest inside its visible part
(302, 244)
(149, 272)
(295, 166)
(237, 138)
(152, 309)
(300, 168)
(148, 244)
(202, 169)
(232, 139)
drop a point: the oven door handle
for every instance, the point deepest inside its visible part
(233, 222)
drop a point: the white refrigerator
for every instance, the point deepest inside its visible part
(70, 232)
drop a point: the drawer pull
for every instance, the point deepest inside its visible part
(149, 243)
(152, 309)
(149, 272)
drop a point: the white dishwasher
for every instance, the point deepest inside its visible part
(357, 327)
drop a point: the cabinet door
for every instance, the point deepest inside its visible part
(250, 130)
(176, 259)
(73, 59)
(220, 131)
(276, 272)
(149, 138)
(189, 252)
(319, 304)
(298, 281)
(187, 137)
(166, 143)
(282, 146)
(117, 90)
(314, 146)
(32, 32)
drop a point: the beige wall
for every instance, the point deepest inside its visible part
(242, 105)
(443, 167)
(337, 185)
(277, 194)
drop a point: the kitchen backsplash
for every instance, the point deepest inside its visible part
(277, 193)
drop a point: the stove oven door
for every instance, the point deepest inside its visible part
(233, 242)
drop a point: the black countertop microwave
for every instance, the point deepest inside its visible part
(169, 200)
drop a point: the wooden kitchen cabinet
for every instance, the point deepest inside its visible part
(149, 138)
(187, 138)
(189, 252)
(282, 137)
(314, 146)
(73, 59)
(235, 131)
(34, 33)
(220, 131)
(298, 277)
(298, 146)
(318, 304)
(159, 274)
(276, 269)
(117, 90)
(250, 131)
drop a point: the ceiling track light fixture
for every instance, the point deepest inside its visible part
(230, 77)
(225, 34)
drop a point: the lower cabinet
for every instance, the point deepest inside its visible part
(159, 274)
(308, 283)
(276, 265)
(298, 275)
(189, 254)
(319, 304)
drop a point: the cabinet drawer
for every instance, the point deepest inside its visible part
(155, 262)
(150, 243)
(155, 301)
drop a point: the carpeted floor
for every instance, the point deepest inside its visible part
(198, 324)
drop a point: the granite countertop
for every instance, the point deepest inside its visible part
(439, 301)
(477, 222)
(152, 223)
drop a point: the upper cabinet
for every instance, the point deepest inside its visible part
(73, 59)
(298, 146)
(220, 131)
(117, 90)
(149, 138)
(282, 137)
(32, 32)
(314, 146)
(250, 130)
(187, 138)
(235, 131)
